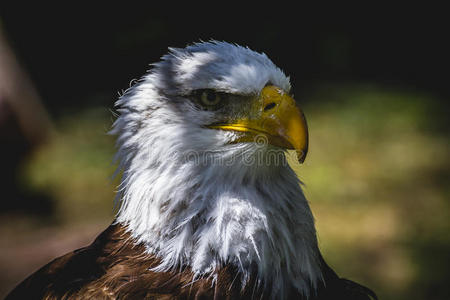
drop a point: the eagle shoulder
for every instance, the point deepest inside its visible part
(113, 267)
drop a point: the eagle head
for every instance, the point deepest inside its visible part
(201, 142)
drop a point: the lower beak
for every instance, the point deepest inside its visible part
(278, 118)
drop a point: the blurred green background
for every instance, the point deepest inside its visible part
(375, 94)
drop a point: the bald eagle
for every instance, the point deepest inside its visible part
(209, 207)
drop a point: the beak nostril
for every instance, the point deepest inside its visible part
(269, 106)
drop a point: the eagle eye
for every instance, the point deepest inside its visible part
(210, 98)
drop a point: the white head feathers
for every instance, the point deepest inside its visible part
(195, 199)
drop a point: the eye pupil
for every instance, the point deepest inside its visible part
(210, 96)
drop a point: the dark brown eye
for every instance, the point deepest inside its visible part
(210, 98)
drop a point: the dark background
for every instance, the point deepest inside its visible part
(79, 58)
(75, 51)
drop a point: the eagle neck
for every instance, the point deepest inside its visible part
(204, 216)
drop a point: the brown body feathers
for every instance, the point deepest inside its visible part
(113, 267)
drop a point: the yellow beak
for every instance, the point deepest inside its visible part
(274, 115)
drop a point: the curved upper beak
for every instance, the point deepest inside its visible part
(275, 115)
